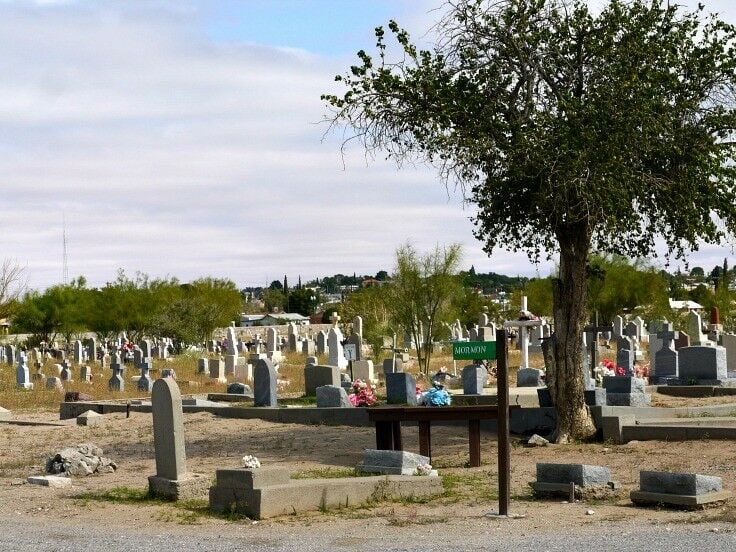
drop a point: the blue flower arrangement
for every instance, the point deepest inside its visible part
(437, 396)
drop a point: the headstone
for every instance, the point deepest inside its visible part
(332, 396)
(265, 384)
(217, 370)
(116, 382)
(681, 340)
(665, 363)
(401, 389)
(144, 382)
(66, 371)
(618, 326)
(728, 341)
(321, 342)
(641, 329)
(703, 364)
(273, 350)
(78, 352)
(292, 337)
(695, 329)
(625, 391)
(237, 388)
(474, 378)
(391, 462)
(54, 384)
(689, 490)
(232, 342)
(172, 480)
(392, 366)
(625, 355)
(90, 418)
(203, 366)
(10, 355)
(334, 344)
(168, 373)
(318, 376)
(85, 374)
(22, 377)
(231, 361)
(363, 370)
(308, 347)
(531, 377)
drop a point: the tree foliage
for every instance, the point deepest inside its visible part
(570, 131)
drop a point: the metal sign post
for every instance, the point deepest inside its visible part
(495, 350)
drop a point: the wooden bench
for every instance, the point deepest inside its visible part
(388, 425)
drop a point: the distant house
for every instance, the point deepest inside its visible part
(250, 320)
(372, 282)
(687, 305)
(4, 326)
(279, 318)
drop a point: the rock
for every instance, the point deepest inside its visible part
(537, 441)
(590, 512)
(49, 481)
(239, 389)
(76, 396)
(84, 459)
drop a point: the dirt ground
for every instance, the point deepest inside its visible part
(116, 500)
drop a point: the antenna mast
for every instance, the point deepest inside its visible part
(65, 274)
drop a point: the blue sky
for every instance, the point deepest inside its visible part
(179, 137)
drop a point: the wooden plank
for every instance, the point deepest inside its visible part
(425, 439)
(474, 442)
(504, 434)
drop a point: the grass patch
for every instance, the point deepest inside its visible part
(415, 520)
(326, 473)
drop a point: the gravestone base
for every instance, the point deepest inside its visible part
(189, 486)
(628, 399)
(529, 377)
(26, 386)
(646, 498)
(596, 397)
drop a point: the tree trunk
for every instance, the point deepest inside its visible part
(566, 382)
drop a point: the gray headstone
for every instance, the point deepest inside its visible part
(391, 462)
(401, 389)
(318, 376)
(474, 378)
(623, 384)
(688, 484)
(582, 475)
(729, 343)
(331, 396)
(203, 366)
(265, 384)
(168, 429)
(529, 377)
(703, 363)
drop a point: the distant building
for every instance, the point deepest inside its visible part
(279, 318)
(4, 326)
(372, 282)
(687, 305)
(250, 320)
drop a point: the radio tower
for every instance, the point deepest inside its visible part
(65, 274)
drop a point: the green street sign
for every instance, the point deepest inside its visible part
(474, 350)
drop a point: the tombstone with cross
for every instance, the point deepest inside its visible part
(592, 331)
(666, 359)
(334, 344)
(523, 326)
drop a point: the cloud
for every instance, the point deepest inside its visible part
(173, 154)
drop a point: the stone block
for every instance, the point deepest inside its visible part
(187, 487)
(545, 397)
(628, 399)
(251, 478)
(582, 475)
(596, 397)
(391, 462)
(703, 363)
(690, 484)
(316, 376)
(623, 384)
(331, 396)
(363, 370)
(391, 367)
(239, 389)
(401, 388)
(474, 378)
(4, 413)
(90, 418)
(529, 377)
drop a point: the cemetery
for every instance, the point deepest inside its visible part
(175, 427)
(575, 391)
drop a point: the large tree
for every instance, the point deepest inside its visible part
(570, 130)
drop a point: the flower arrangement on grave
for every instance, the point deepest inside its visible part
(424, 469)
(250, 462)
(436, 395)
(642, 371)
(363, 394)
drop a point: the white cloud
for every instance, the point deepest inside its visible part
(173, 155)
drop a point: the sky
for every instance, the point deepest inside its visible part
(183, 138)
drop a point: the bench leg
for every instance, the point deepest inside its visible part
(384, 436)
(425, 440)
(474, 442)
(396, 431)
